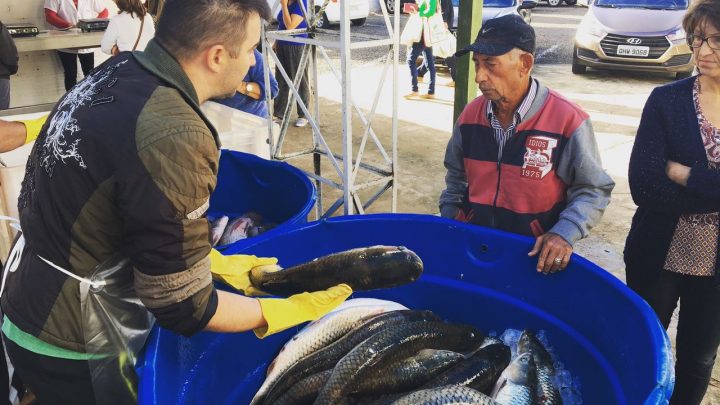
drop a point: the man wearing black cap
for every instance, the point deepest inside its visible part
(522, 158)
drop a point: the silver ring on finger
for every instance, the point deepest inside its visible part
(558, 260)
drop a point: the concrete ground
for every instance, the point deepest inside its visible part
(614, 101)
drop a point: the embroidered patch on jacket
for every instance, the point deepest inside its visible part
(61, 142)
(537, 161)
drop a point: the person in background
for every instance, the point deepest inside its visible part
(155, 8)
(448, 15)
(671, 252)
(250, 95)
(8, 65)
(427, 8)
(64, 14)
(130, 30)
(124, 168)
(289, 53)
(522, 158)
(14, 134)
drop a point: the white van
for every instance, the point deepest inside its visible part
(498, 8)
(358, 9)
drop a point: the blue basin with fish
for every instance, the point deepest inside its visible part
(281, 193)
(605, 335)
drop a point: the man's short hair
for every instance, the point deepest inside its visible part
(186, 27)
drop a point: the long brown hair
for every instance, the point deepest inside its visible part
(135, 7)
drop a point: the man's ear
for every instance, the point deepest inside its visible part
(215, 57)
(527, 61)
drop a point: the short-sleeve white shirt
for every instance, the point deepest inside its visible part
(66, 10)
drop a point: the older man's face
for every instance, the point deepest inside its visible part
(500, 77)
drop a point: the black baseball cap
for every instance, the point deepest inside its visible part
(500, 35)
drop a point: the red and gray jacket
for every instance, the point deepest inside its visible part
(549, 177)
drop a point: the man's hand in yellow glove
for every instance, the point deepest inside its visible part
(33, 128)
(235, 270)
(283, 313)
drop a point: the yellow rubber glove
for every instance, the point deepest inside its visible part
(283, 313)
(33, 127)
(235, 270)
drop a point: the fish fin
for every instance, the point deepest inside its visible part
(502, 382)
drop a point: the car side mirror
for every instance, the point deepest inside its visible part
(527, 4)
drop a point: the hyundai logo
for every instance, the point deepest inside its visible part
(634, 41)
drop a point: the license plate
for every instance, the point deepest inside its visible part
(628, 50)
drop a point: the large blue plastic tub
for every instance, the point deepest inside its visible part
(604, 333)
(281, 193)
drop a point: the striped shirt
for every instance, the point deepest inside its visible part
(502, 135)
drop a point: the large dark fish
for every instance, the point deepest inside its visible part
(479, 372)
(547, 394)
(393, 344)
(362, 269)
(447, 395)
(327, 357)
(517, 383)
(406, 374)
(304, 391)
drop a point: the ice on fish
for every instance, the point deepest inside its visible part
(568, 385)
(511, 338)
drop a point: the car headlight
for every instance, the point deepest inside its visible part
(590, 26)
(677, 36)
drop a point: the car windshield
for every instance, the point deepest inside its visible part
(651, 4)
(490, 3)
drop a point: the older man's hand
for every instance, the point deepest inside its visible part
(554, 253)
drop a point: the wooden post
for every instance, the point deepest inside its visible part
(469, 23)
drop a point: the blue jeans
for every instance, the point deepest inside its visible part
(417, 49)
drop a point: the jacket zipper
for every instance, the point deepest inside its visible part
(497, 191)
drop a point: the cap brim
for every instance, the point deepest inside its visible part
(486, 48)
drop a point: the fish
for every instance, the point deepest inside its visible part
(236, 230)
(327, 357)
(217, 227)
(321, 333)
(304, 391)
(479, 372)
(406, 374)
(393, 344)
(362, 269)
(449, 394)
(547, 393)
(491, 340)
(517, 382)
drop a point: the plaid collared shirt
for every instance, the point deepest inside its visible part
(502, 135)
